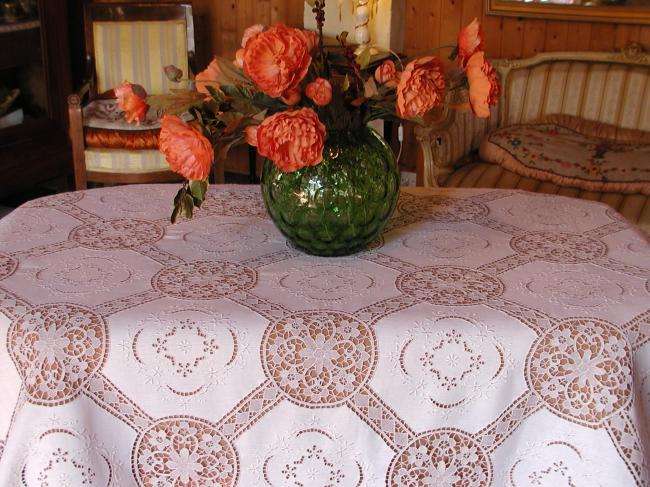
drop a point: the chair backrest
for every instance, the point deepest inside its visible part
(134, 41)
(613, 88)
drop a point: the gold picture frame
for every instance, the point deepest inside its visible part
(591, 13)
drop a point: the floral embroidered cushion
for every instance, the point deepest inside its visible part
(573, 152)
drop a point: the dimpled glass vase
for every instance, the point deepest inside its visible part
(340, 205)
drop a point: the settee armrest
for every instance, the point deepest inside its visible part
(448, 143)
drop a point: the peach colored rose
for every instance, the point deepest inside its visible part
(208, 77)
(250, 134)
(277, 59)
(132, 104)
(251, 32)
(470, 40)
(484, 86)
(292, 139)
(311, 39)
(320, 91)
(387, 74)
(239, 58)
(292, 96)
(421, 87)
(187, 151)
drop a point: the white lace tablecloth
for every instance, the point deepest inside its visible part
(489, 338)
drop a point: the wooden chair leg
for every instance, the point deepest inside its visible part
(76, 133)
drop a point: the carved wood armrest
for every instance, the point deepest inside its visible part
(76, 133)
(447, 144)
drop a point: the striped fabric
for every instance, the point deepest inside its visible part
(124, 161)
(633, 207)
(617, 94)
(463, 137)
(137, 52)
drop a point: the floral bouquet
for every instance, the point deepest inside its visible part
(285, 93)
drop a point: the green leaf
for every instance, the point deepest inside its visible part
(198, 190)
(260, 116)
(363, 58)
(230, 74)
(179, 195)
(175, 213)
(346, 84)
(215, 93)
(188, 205)
(178, 204)
(178, 101)
(370, 87)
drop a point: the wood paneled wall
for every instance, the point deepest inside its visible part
(227, 19)
(430, 23)
(437, 22)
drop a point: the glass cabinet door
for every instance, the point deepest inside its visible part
(23, 89)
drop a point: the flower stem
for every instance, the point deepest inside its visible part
(319, 12)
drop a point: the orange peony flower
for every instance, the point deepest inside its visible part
(421, 87)
(484, 86)
(470, 40)
(277, 59)
(208, 77)
(250, 134)
(187, 151)
(251, 32)
(292, 139)
(387, 74)
(291, 96)
(311, 39)
(239, 58)
(320, 91)
(132, 104)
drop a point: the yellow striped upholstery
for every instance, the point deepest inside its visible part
(617, 94)
(137, 52)
(634, 207)
(124, 161)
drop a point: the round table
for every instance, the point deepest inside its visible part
(489, 337)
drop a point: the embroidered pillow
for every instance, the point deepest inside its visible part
(584, 154)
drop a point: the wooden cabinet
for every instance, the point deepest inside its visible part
(35, 68)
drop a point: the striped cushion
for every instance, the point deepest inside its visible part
(634, 207)
(137, 52)
(606, 92)
(124, 161)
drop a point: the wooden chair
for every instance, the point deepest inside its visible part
(127, 41)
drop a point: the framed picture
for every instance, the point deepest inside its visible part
(620, 11)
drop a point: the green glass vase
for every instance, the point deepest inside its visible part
(340, 205)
